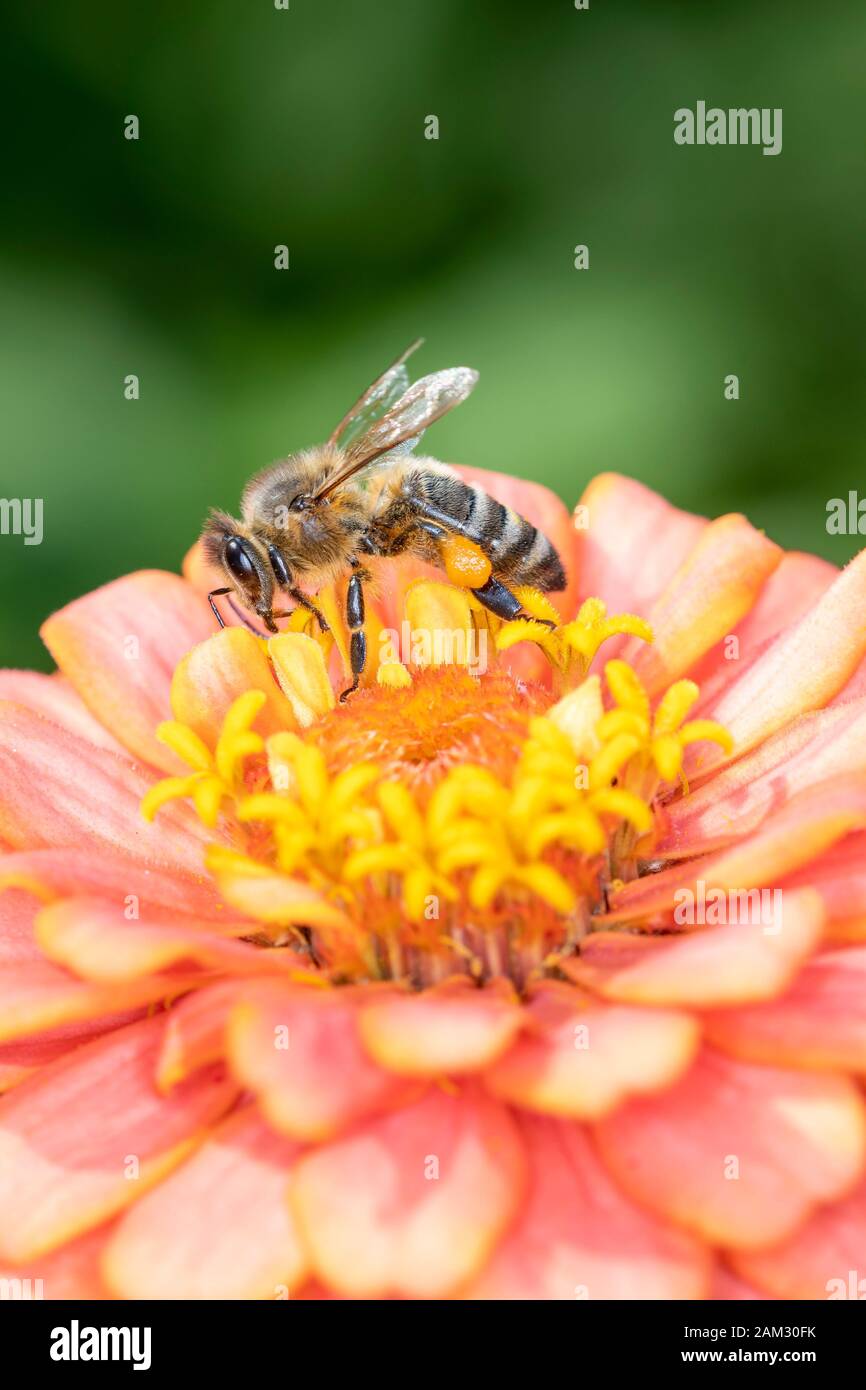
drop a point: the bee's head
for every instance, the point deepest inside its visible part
(252, 566)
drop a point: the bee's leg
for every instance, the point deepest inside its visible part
(501, 601)
(355, 623)
(494, 594)
(215, 593)
(301, 598)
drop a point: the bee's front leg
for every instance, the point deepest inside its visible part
(301, 599)
(355, 624)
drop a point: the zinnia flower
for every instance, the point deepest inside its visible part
(446, 991)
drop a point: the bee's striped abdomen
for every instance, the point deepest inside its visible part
(517, 550)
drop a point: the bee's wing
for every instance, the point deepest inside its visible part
(401, 427)
(378, 398)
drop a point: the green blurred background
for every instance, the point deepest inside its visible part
(306, 127)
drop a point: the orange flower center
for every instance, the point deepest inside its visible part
(445, 719)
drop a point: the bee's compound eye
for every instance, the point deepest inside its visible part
(237, 559)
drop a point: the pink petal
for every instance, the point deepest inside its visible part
(17, 944)
(73, 1136)
(577, 1236)
(801, 670)
(93, 938)
(449, 1029)
(128, 883)
(73, 1271)
(580, 1058)
(726, 1287)
(817, 746)
(298, 1049)
(839, 877)
(54, 698)
(195, 1031)
(20, 1059)
(218, 1227)
(705, 968)
(632, 545)
(56, 791)
(37, 995)
(821, 1260)
(713, 589)
(797, 834)
(119, 646)
(819, 1023)
(790, 591)
(739, 1154)
(413, 1202)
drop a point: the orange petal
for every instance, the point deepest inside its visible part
(119, 646)
(577, 1236)
(448, 1029)
(815, 747)
(787, 839)
(630, 544)
(56, 791)
(73, 1271)
(822, 1260)
(299, 1051)
(819, 1023)
(215, 673)
(218, 1227)
(92, 938)
(801, 670)
(581, 1058)
(739, 1154)
(90, 1133)
(705, 968)
(712, 590)
(54, 698)
(412, 1202)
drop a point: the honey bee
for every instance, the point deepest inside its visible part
(317, 514)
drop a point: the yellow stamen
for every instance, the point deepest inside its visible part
(394, 675)
(300, 668)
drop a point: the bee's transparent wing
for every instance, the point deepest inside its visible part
(400, 428)
(426, 400)
(378, 398)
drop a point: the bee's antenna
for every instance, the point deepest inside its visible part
(215, 593)
(241, 617)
